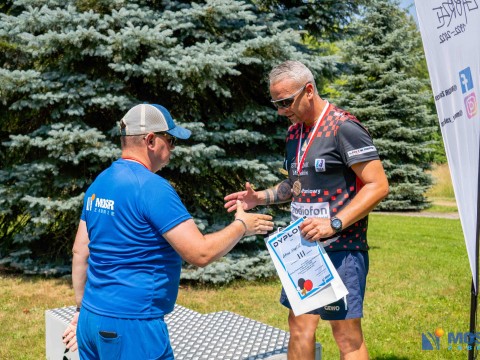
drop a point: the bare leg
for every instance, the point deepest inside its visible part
(349, 337)
(301, 345)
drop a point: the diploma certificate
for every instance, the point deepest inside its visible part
(307, 274)
(302, 260)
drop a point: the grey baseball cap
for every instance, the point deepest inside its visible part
(146, 118)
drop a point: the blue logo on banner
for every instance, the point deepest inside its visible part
(457, 341)
(430, 342)
(466, 80)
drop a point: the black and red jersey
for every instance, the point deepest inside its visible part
(328, 182)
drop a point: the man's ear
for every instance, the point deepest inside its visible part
(310, 89)
(150, 138)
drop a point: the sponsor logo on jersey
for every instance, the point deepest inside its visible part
(106, 204)
(361, 151)
(319, 165)
(90, 202)
(320, 210)
(304, 172)
(94, 203)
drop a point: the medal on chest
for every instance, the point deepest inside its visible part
(297, 187)
(302, 150)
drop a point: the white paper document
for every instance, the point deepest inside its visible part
(305, 270)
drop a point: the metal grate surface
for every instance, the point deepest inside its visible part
(222, 335)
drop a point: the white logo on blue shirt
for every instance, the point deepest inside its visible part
(103, 206)
(90, 203)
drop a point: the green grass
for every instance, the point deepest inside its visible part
(442, 208)
(23, 301)
(419, 280)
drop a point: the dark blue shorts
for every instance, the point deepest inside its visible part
(103, 337)
(352, 266)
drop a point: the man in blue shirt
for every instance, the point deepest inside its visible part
(133, 234)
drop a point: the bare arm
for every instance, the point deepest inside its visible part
(79, 278)
(201, 250)
(375, 189)
(79, 262)
(280, 193)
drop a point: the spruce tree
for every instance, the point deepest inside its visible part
(70, 69)
(324, 20)
(380, 85)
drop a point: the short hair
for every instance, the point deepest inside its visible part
(293, 70)
(131, 140)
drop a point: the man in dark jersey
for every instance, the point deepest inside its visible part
(335, 178)
(133, 234)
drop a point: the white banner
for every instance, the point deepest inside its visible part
(451, 38)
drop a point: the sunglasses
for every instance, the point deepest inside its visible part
(171, 139)
(287, 102)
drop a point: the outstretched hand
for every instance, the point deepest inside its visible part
(248, 197)
(255, 223)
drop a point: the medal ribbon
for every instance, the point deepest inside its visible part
(300, 161)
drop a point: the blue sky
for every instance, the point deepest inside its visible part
(406, 4)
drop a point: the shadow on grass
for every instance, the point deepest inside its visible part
(236, 283)
(390, 357)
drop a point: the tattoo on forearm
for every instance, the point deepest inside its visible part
(279, 194)
(267, 197)
(283, 191)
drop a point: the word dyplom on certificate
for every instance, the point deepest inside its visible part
(307, 274)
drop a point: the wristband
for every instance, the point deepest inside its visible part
(244, 225)
(77, 309)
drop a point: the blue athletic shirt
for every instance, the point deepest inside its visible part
(133, 272)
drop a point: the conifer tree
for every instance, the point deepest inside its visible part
(380, 86)
(324, 20)
(70, 69)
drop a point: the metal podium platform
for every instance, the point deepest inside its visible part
(194, 336)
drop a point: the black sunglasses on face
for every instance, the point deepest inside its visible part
(287, 102)
(171, 139)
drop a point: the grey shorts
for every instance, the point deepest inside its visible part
(352, 266)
